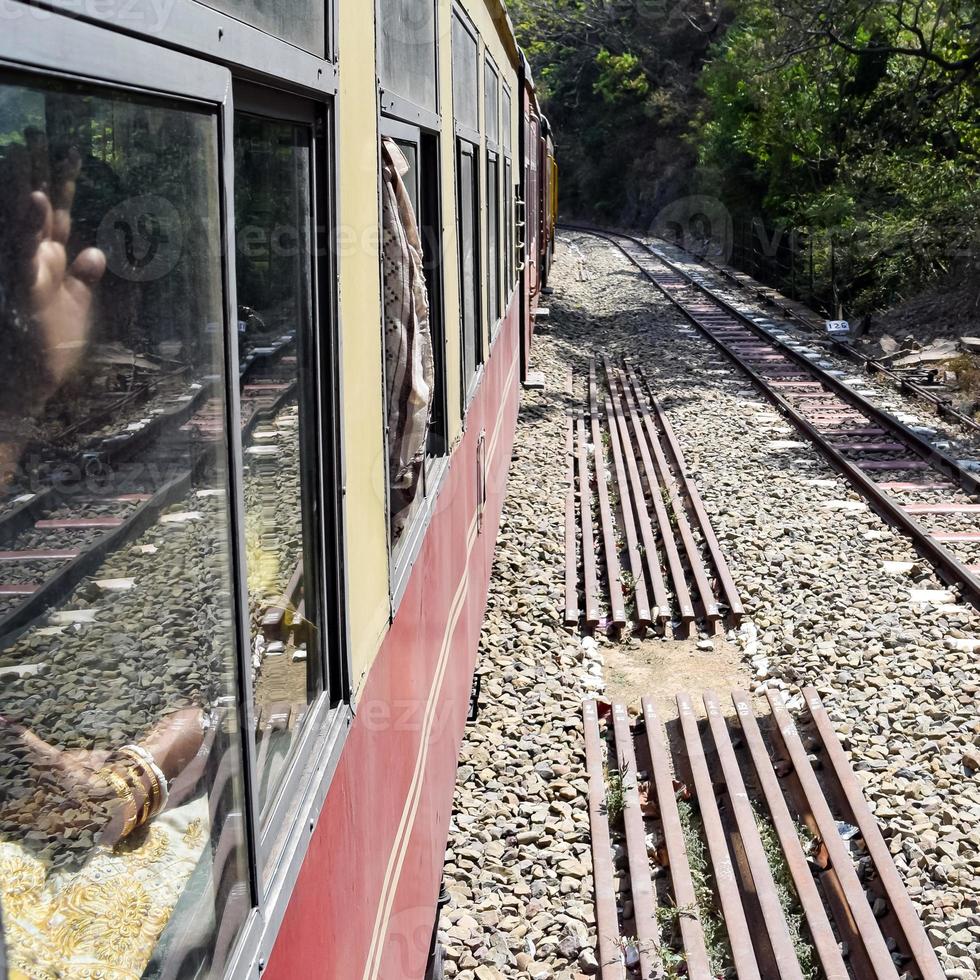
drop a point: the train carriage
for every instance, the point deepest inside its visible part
(268, 279)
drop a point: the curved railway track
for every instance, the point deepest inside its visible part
(901, 380)
(910, 482)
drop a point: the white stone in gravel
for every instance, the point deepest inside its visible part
(210, 493)
(897, 567)
(822, 483)
(785, 444)
(183, 518)
(962, 644)
(21, 670)
(69, 617)
(146, 549)
(115, 584)
(843, 505)
(931, 596)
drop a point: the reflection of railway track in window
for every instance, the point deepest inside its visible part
(53, 539)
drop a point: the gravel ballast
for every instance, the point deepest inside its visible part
(888, 647)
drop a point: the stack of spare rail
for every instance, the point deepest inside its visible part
(633, 513)
(741, 846)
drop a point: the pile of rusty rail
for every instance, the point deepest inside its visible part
(742, 845)
(633, 512)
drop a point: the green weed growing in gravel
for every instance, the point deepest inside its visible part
(786, 891)
(668, 920)
(715, 934)
(615, 794)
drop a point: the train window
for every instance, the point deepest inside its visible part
(409, 365)
(273, 261)
(466, 80)
(509, 218)
(302, 23)
(507, 141)
(122, 837)
(491, 102)
(468, 206)
(407, 51)
(507, 121)
(493, 238)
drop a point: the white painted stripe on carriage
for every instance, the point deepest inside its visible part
(400, 846)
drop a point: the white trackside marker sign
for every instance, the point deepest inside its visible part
(838, 328)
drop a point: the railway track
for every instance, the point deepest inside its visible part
(632, 504)
(752, 800)
(904, 381)
(111, 491)
(910, 482)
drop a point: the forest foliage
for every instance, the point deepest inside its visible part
(854, 122)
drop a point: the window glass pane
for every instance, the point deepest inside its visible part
(273, 264)
(121, 830)
(466, 82)
(506, 122)
(491, 96)
(409, 362)
(493, 231)
(407, 57)
(468, 262)
(509, 241)
(300, 22)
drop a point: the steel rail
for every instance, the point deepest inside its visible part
(940, 460)
(693, 496)
(944, 407)
(641, 883)
(674, 564)
(643, 612)
(669, 483)
(757, 864)
(607, 918)
(947, 564)
(840, 858)
(650, 554)
(821, 931)
(589, 576)
(685, 896)
(571, 540)
(726, 881)
(617, 606)
(916, 940)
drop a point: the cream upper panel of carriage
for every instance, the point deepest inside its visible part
(404, 63)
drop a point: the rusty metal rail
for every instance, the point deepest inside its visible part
(654, 534)
(806, 317)
(885, 460)
(792, 869)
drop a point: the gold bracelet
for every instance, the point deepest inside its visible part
(156, 790)
(154, 794)
(123, 793)
(137, 780)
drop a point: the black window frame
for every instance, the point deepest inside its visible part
(470, 384)
(510, 218)
(196, 55)
(401, 559)
(495, 302)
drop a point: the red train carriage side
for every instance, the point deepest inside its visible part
(268, 280)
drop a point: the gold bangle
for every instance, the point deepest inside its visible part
(156, 791)
(137, 779)
(123, 793)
